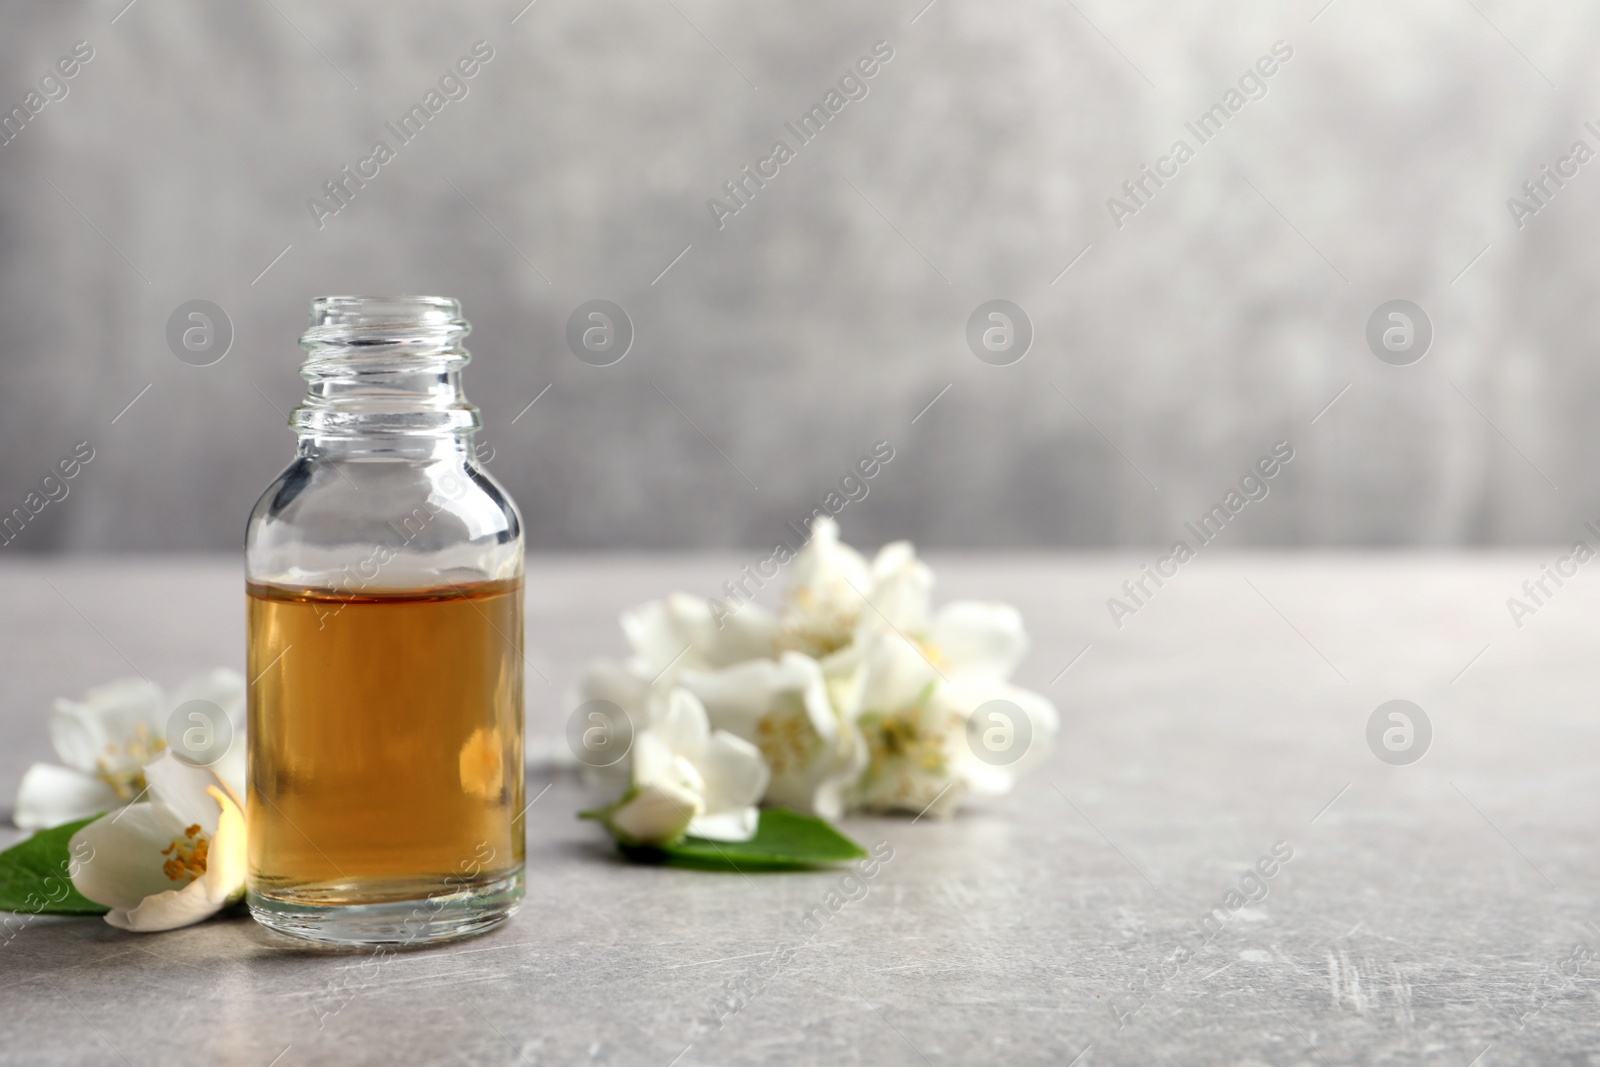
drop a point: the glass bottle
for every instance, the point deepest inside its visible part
(384, 581)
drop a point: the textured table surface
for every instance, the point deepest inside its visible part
(1429, 913)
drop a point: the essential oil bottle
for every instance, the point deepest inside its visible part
(384, 582)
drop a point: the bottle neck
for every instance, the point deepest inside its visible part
(453, 448)
(384, 378)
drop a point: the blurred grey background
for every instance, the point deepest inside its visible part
(1169, 353)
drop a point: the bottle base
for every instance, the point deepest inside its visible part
(423, 920)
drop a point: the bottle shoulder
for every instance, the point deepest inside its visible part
(422, 518)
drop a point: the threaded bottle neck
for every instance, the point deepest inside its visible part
(384, 367)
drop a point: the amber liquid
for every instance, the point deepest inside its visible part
(385, 741)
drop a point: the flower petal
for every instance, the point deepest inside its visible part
(229, 861)
(829, 583)
(783, 708)
(652, 759)
(683, 631)
(655, 814)
(738, 697)
(605, 679)
(202, 898)
(102, 725)
(50, 795)
(902, 590)
(826, 561)
(720, 638)
(740, 825)
(652, 635)
(985, 639)
(185, 789)
(833, 781)
(893, 558)
(234, 767)
(679, 720)
(895, 675)
(620, 685)
(124, 864)
(735, 774)
(223, 687)
(166, 910)
(965, 698)
(916, 754)
(900, 599)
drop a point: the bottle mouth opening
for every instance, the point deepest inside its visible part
(391, 311)
(400, 330)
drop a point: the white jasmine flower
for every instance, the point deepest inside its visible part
(911, 745)
(667, 637)
(683, 632)
(916, 698)
(168, 861)
(827, 584)
(837, 602)
(688, 779)
(857, 694)
(105, 740)
(782, 707)
(973, 639)
(902, 592)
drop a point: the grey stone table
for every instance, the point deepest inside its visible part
(1429, 914)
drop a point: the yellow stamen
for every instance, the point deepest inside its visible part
(902, 738)
(819, 625)
(785, 742)
(122, 767)
(188, 856)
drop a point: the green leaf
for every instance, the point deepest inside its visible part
(34, 875)
(784, 841)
